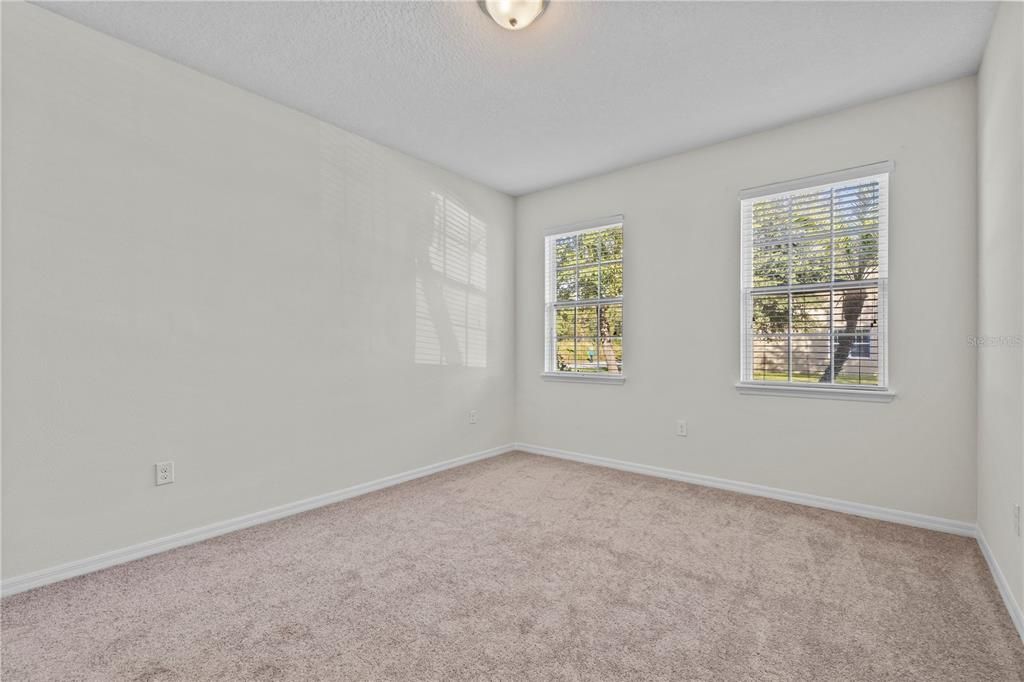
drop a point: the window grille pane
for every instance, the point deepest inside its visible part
(770, 357)
(610, 355)
(588, 283)
(811, 261)
(611, 320)
(586, 321)
(565, 322)
(855, 308)
(856, 257)
(565, 355)
(770, 314)
(586, 355)
(811, 357)
(565, 285)
(771, 265)
(611, 280)
(565, 251)
(612, 351)
(811, 312)
(611, 244)
(589, 248)
(861, 344)
(861, 367)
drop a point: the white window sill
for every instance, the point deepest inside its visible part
(874, 395)
(583, 378)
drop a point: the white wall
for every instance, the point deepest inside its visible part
(191, 272)
(682, 315)
(1001, 291)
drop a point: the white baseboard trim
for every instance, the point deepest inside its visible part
(71, 569)
(855, 508)
(1004, 587)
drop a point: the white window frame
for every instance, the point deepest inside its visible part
(550, 373)
(874, 393)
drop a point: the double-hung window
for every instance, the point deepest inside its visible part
(583, 301)
(814, 268)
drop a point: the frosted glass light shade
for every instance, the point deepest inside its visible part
(514, 15)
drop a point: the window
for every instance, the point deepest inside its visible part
(583, 296)
(814, 271)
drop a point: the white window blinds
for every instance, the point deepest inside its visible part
(813, 281)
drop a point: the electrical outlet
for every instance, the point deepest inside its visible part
(472, 417)
(164, 473)
(681, 427)
(1016, 518)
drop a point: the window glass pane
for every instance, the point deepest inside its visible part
(861, 364)
(811, 357)
(589, 247)
(565, 322)
(565, 285)
(770, 314)
(855, 229)
(611, 244)
(855, 309)
(811, 312)
(610, 355)
(588, 283)
(565, 355)
(810, 216)
(611, 320)
(611, 280)
(565, 251)
(770, 265)
(770, 220)
(586, 321)
(811, 261)
(586, 355)
(770, 357)
(861, 344)
(856, 257)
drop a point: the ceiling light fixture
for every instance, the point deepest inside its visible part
(514, 15)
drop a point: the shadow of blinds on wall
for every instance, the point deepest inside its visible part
(451, 288)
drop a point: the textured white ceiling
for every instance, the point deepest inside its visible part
(588, 88)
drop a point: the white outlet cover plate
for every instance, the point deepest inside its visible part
(164, 473)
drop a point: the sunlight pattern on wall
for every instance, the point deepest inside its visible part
(451, 288)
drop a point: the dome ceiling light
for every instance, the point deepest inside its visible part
(513, 15)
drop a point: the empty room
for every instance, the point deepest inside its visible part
(512, 340)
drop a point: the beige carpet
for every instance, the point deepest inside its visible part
(522, 567)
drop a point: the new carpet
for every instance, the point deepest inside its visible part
(523, 567)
